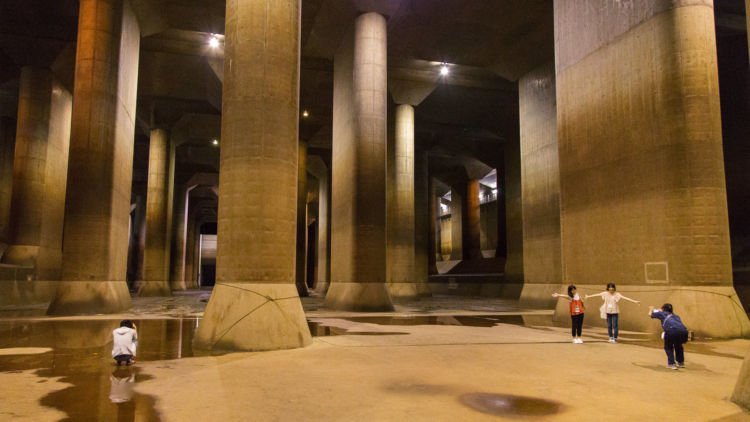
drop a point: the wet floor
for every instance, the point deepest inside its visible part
(79, 353)
(512, 406)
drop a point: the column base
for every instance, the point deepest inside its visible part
(359, 297)
(154, 288)
(709, 311)
(22, 255)
(540, 295)
(253, 317)
(408, 290)
(90, 297)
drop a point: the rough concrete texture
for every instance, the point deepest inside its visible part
(178, 238)
(253, 316)
(513, 213)
(7, 153)
(156, 254)
(401, 214)
(358, 236)
(741, 393)
(433, 237)
(641, 164)
(255, 260)
(471, 221)
(97, 205)
(40, 173)
(540, 190)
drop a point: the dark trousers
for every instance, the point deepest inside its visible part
(673, 346)
(577, 324)
(612, 328)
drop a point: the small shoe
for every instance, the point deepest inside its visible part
(575, 341)
(672, 367)
(580, 340)
(680, 364)
(611, 340)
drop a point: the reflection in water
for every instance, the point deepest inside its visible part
(81, 356)
(467, 321)
(510, 406)
(121, 389)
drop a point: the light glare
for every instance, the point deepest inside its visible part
(213, 42)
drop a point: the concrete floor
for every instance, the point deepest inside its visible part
(436, 359)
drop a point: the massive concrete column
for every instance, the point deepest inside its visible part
(179, 234)
(358, 273)
(422, 200)
(301, 258)
(540, 187)
(7, 148)
(39, 174)
(471, 223)
(458, 193)
(401, 254)
(642, 185)
(101, 161)
(434, 227)
(318, 168)
(501, 250)
(255, 305)
(513, 216)
(156, 255)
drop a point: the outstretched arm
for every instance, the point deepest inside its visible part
(630, 300)
(562, 296)
(595, 295)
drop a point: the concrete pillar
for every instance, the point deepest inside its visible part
(255, 260)
(541, 187)
(7, 151)
(458, 193)
(190, 267)
(179, 233)
(358, 262)
(401, 253)
(324, 234)
(422, 200)
(156, 255)
(471, 222)
(97, 203)
(513, 216)
(301, 258)
(39, 174)
(642, 184)
(501, 250)
(434, 227)
(747, 18)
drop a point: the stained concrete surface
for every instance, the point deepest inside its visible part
(441, 358)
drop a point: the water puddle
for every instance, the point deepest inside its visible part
(319, 329)
(510, 406)
(466, 321)
(78, 352)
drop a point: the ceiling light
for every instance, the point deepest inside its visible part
(213, 42)
(215, 142)
(444, 70)
(305, 113)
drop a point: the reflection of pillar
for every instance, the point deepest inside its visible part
(255, 260)
(324, 268)
(101, 161)
(156, 271)
(39, 174)
(401, 253)
(422, 212)
(358, 272)
(434, 226)
(301, 260)
(458, 192)
(7, 147)
(471, 221)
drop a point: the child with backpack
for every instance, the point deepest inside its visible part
(675, 334)
(576, 312)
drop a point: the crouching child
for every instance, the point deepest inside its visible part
(675, 335)
(124, 343)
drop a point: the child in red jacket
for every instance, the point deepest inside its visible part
(576, 312)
